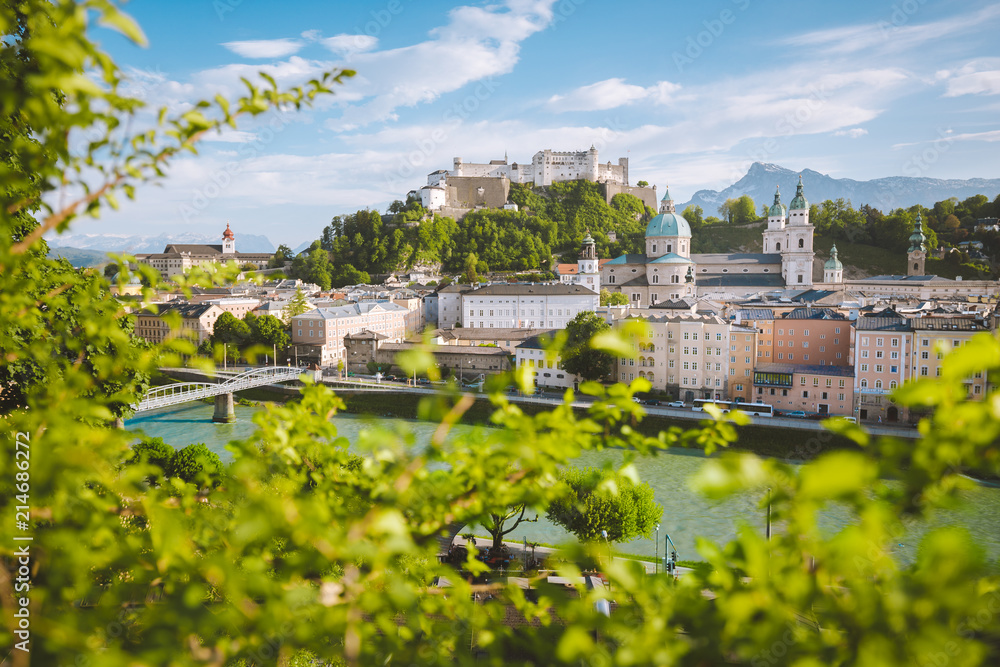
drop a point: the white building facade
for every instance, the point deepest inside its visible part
(519, 305)
(323, 330)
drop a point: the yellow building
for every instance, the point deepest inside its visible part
(933, 337)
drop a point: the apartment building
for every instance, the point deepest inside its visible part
(196, 321)
(318, 336)
(883, 345)
(934, 337)
(815, 390)
(742, 360)
(521, 305)
(812, 336)
(685, 355)
(761, 319)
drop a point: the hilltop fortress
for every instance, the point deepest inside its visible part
(471, 185)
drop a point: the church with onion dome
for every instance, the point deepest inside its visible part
(668, 271)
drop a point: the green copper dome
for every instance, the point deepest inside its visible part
(918, 242)
(833, 264)
(777, 208)
(800, 199)
(668, 224)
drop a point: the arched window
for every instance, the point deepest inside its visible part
(878, 384)
(802, 243)
(651, 347)
(892, 384)
(864, 383)
(915, 266)
(656, 279)
(675, 279)
(611, 279)
(777, 247)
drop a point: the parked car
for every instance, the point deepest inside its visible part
(635, 399)
(652, 401)
(675, 404)
(423, 381)
(796, 413)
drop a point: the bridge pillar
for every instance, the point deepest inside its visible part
(224, 410)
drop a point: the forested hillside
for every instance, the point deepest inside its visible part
(550, 224)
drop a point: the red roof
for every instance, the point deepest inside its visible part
(228, 234)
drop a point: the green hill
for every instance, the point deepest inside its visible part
(80, 258)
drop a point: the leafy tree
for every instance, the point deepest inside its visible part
(609, 298)
(597, 502)
(346, 274)
(196, 464)
(694, 216)
(296, 306)
(503, 522)
(579, 357)
(642, 184)
(281, 255)
(154, 452)
(471, 263)
(269, 331)
(230, 330)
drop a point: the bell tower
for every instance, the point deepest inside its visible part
(228, 241)
(916, 256)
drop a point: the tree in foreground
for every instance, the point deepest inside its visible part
(307, 553)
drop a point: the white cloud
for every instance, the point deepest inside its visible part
(894, 33)
(347, 45)
(853, 133)
(981, 77)
(265, 48)
(610, 94)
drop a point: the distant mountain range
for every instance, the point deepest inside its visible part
(884, 194)
(140, 244)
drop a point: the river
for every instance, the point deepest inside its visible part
(686, 514)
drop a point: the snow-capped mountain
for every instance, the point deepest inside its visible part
(884, 194)
(141, 244)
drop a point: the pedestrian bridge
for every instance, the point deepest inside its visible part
(183, 392)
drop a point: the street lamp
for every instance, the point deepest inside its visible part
(604, 534)
(656, 551)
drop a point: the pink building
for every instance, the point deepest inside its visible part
(816, 390)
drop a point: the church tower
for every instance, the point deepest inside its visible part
(917, 254)
(228, 241)
(588, 268)
(833, 270)
(797, 253)
(774, 236)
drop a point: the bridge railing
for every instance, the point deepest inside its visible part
(183, 392)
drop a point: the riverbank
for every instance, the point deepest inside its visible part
(772, 441)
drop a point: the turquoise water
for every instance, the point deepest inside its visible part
(686, 514)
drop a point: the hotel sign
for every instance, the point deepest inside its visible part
(773, 379)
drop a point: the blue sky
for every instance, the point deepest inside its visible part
(692, 93)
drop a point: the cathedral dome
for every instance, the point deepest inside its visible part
(833, 264)
(777, 208)
(668, 224)
(799, 202)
